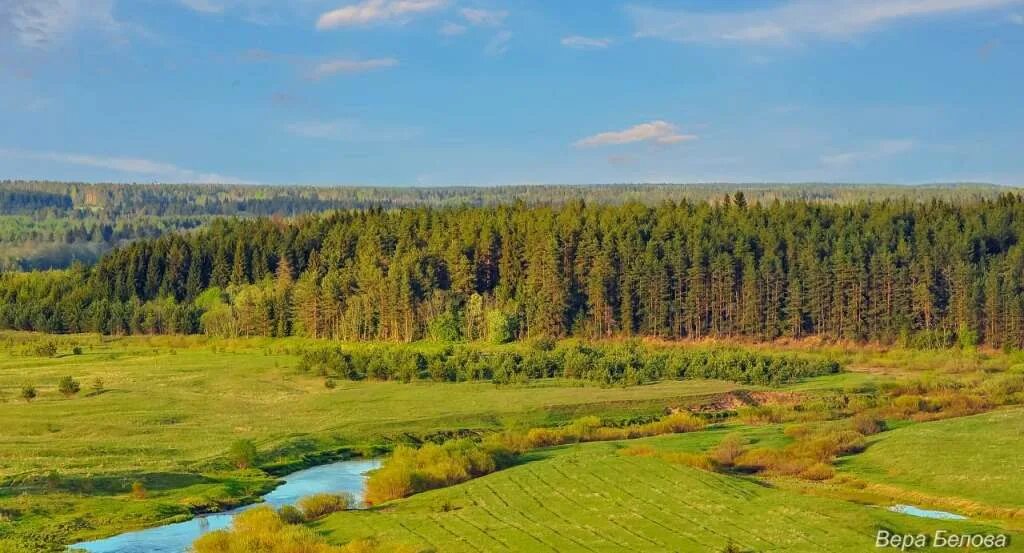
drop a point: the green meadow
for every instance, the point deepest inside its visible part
(161, 414)
(973, 463)
(164, 411)
(591, 497)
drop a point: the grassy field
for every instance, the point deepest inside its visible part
(592, 498)
(171, 407)
(171, 410)
(975, 461)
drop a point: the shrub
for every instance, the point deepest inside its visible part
(97, 385)
(28, 393)
(68, 386)
(826, 446)
(501, 327)
(675, 423)
(761, 414)
(730, 547)
(77, 350)
(262, 529)
(867, 424)
(390, 483)
(542, 437)
(46, 349)
(446, 327)
(754, 460)
(53, 480)
(138, 490)
(323, 504)
(410, 471)
(291, 515)
(543, 344)
(728, 450)
(243, 454)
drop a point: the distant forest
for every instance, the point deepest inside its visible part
(47, 225)
(930, 273)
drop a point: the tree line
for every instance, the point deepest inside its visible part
(620, 364)
(929, 274)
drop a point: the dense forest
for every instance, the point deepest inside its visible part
(929, 274)
(46, 225)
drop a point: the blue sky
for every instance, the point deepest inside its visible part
(451, 92)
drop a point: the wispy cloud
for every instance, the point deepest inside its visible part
(489, 18)
(878, 150)
(144, 168)
(41, 24)
(1017, 19)
(376, 11)
(345, 66)
(350, 131)
(476, 17)
(585, 43)
(828, 19)
(450, 28)
(658, 132)
(498, 45)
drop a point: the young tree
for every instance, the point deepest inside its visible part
(243, 454)
(68, 386)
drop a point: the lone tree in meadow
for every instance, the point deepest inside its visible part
(138, 490)
(68, 386)
(46, 349)
(28, 393)
(243, 454)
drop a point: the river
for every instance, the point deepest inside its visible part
(345, 476)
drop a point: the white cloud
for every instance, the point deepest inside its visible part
(658, 132)
(345, 66)
(479, 17)
(375, 11)
(1017, 18)
(350, 131)
(452, 29)
(43, 24)
(498, 45)
(830, 19)
(585, 43)
(879, 150)
(145, 168)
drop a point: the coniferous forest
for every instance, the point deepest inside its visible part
(925, 274)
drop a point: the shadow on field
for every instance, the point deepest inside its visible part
(109, 484)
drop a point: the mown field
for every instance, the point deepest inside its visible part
(975, 463)
(164, 412)
(591, 497)
(169, 409)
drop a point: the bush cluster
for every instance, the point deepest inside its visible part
(322, 504)
(627, 363)
(590, 429)
(409, 471)
(267, 531)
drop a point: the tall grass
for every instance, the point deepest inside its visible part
(262, 530)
